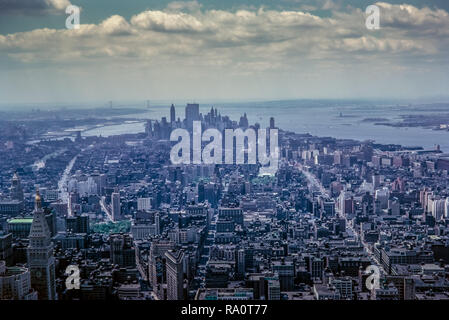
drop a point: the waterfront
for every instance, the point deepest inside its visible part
(320, 118)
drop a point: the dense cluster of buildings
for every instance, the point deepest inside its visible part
(139, 227)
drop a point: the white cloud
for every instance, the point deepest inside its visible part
(330, 5)
(194, 6)
(244, 42)
(171, 22)
(116, 25)
(58, 4)
(228, 36)
(417, 21)
(33, 6)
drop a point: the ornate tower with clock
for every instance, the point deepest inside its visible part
(40, 255)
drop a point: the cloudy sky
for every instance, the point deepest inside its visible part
(222, 49)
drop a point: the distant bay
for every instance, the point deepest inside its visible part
(321, 118)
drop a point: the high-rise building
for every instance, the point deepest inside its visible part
(78, 137)
(344, 287)
(192, 113)
(241, 262)
(273, 289)
(71, 203)
(6, 249)
(232, 214)
(16, 188)
(123, 252)
(11, 207)
(78, 224)
(382, 196)
(156, 265)
(149, 128)
(201, 194)
(40, 254)
(143, 204)
(157, 222)
(175, 274)
(286, 273)
(172, 114)
(115, 206)
(243, 123)
(272, 123)
(15, 283)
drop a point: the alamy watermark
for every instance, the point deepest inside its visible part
(255, 147)
(373, 280)
(73, 279)
(372, 21)
(73, 20)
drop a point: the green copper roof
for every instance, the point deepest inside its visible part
(21, 220)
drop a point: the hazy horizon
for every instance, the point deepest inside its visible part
(142, 104)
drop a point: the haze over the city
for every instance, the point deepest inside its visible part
(221, 50)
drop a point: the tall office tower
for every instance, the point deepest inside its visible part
(377, 181)
(122, 250)
(96, 179)
(241, 262)
(192, 113)
(243, 121)
(40, 255)
(274, 289)
(6, 248)
(286, 272)
(272, 123)
(78, 137)
(157, 222)
(201, 193)
(144, 204)
(16, 188)
(382, 195)
(437, 210)
(115, 205)
(156, 130)
(156, 274)
(175, 274)
(149, 128)
(103, 182)
(172, 114)
(78, 223)
(70, 204)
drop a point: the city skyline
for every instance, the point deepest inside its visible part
(92, 217)
(227, 151)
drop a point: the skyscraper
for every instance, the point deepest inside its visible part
(175, 275)
(172, 114)
(192, 113)
(16, 188)
(122, 250)
(272, 123)
(156, 264)
(201, 193)
(71, 203)
(149, 129)
(243, 121)
(157, 222)
(115, 205)
(40, 255)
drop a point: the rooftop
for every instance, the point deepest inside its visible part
(21, 220)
